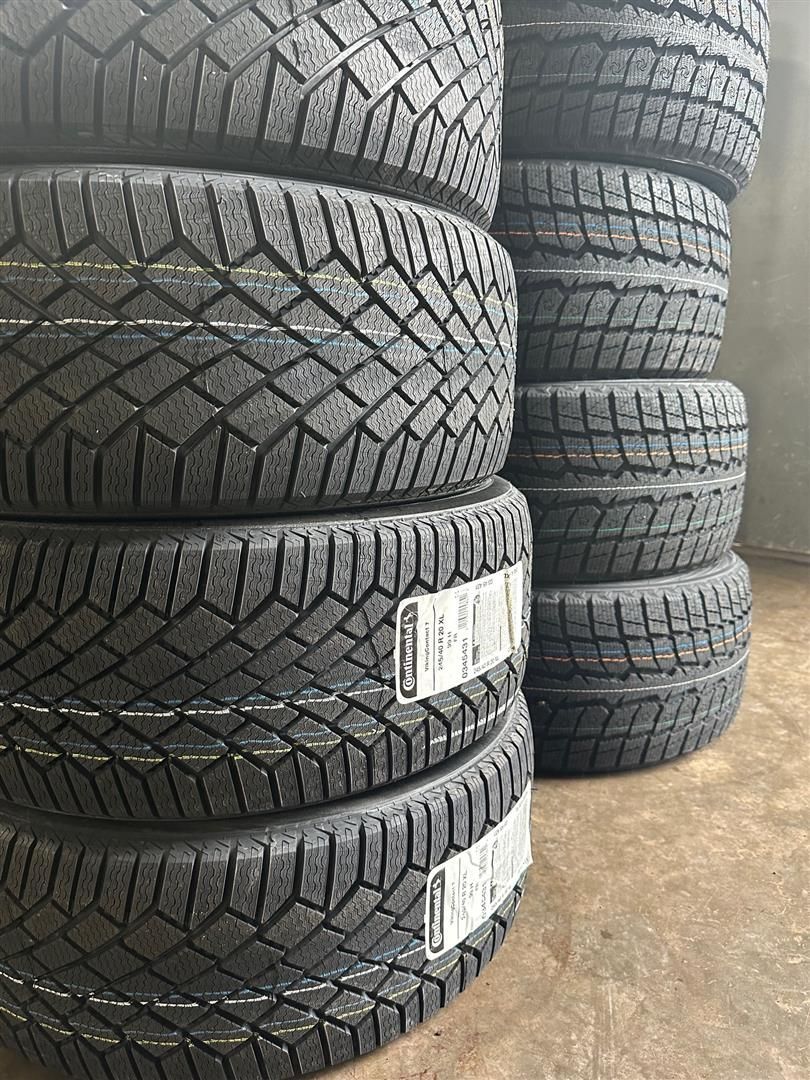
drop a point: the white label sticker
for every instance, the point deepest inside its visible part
(445, 638)
(463, 892)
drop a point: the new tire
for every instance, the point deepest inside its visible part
(621, 272)
(629, 479)
(177, 344)
(635, 673)
(678, 86)
(386, 94)
(216, 670)
(263, 949)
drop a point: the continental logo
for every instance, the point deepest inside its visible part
(408, 642)
(435, 919)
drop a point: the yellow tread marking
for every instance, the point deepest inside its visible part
(272, 274)
(300, 1026)
(315, 744)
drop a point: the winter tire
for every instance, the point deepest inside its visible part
(263, 951)
(633, 674)
(621, 272)
(185, 344)
(389, 94)
(629, 479)
(679, 86)
(214, 670)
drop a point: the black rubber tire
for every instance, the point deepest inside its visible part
(380, 93)
(269, 952)
(629, 479)
(634, 674)
(194, 671)
(621, 272)
(187, 344)
(673, 84)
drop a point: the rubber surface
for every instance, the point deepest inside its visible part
(622, 272)
(678, 84)
(272, 951)
(402, 95)
(191, 671)
(634, 674)
(182, 343)
(629, 479)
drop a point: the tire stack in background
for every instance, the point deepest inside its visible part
(250, 421)
(627, 128)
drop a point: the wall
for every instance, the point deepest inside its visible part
(766, 349)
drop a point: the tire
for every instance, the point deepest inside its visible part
(379, 93)
(287, 946)
(672, 85)
(621, 272)
(188, 344)
(197, 671)
(630, 479)
(627, 675)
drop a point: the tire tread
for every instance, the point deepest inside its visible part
(301, 942)
(196, 671)
(626, 675)
(398, 96)
(629, 479)
(621, 272)
(181, 344)
(673, 85)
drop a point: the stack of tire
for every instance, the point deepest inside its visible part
(628, 126)
(256, 380)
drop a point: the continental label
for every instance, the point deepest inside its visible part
(408, 641)
(435, 917)
(463, 892)
(445, 638)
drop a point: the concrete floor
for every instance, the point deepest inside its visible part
(665, 934)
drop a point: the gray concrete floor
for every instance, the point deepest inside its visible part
(665, 933)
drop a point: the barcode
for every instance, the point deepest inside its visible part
(463, 611)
